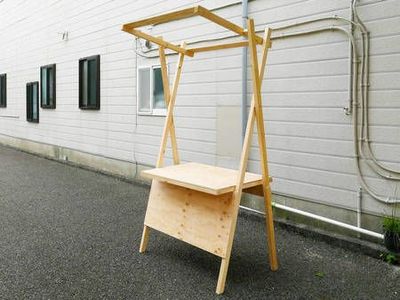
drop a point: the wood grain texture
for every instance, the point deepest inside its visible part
(261, 140)
(170, 109)
(204, 178)
(171, 16)
(198, 218)
(167, 97)
(158, 41)
(258, 74)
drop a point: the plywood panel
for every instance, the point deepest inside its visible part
(200, 219)
(204, 178)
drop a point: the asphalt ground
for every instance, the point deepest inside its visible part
(70, 233)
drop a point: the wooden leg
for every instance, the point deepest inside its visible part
(145, 239)
(269, 219)
(223, 271)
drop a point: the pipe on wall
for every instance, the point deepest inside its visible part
(245, 11)
(361, 136)
(348, 109)
(320, 218)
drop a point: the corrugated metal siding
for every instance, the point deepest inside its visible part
(305, 89)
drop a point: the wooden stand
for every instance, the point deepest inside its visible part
(198, 203)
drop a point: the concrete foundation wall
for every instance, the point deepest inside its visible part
(131, 171)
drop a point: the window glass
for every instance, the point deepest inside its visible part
(85, 83)
(51, 80)
(43, 87)
(144, 89)
(47, 86)
(158, 89)
(34, 102)
(89, 82)
(92, 75)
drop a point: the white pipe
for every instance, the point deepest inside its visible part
(319, 218)
(245, 10)
(364, 84)
(357, 139)
(349, 108)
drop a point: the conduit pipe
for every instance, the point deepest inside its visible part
(356, 139)
(375, 165)
(349, 108)
(364, 85)
(319, 218)
(354, 100)
(245, 10)
(358, 148)
(355, 103)
(352, 108)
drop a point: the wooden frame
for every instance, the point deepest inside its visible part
(197, 203)
(186, 13)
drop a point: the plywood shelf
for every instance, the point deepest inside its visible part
(203, 178)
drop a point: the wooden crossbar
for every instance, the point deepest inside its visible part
(164, 18)
(186, 13)
(225, 23)
(160, 42)
(222, 46)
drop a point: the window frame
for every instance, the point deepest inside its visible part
(53, 104)
(29, 114)
(96, 106)
(160, 112)
(3, 104)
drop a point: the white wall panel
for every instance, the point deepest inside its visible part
(304, 90)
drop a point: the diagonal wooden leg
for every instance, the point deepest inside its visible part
(170, 107)
(269, 220)
(262, 143)
(223, 271)
(145, 239)
(167, 95)
(242, 168)
(168, 126)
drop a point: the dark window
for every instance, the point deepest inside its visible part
(89, 82)
(48, 86)
(32, 102)
(3, 90)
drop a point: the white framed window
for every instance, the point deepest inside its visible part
(150, 91)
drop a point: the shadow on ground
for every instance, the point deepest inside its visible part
(72, 233)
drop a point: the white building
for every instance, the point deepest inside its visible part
(305, 90)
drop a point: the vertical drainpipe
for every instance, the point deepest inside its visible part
(244, 72)
(348, 110)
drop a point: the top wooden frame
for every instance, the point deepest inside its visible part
(183, 14)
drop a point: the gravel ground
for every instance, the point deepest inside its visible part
(69, 233)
